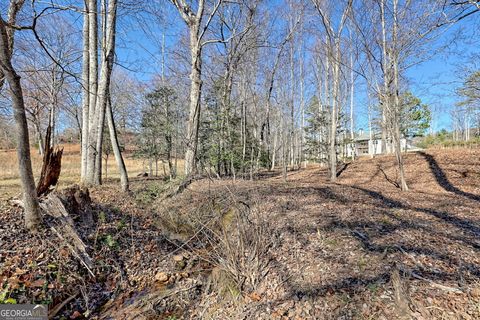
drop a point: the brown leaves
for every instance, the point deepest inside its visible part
(338, 243)
(13, 282)
(37, 283)
(255, 296)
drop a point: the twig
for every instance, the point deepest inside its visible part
(60, 306)
(437, 285)
(72, 249)
(174, 293)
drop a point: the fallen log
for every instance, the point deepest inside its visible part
(63, 226)
(180, 188)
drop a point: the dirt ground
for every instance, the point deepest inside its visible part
(356, 249)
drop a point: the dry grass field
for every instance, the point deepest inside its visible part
(9, 177)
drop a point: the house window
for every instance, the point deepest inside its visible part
(362, 147)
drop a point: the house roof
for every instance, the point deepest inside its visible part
(362, 136)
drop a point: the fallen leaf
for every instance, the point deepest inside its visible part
(38, 283)
(13, 282)
(255, 296)
(19, 272)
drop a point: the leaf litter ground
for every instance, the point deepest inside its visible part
(355, 249)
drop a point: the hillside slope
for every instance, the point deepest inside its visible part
(306, 249)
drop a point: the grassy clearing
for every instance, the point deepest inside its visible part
(10, 182)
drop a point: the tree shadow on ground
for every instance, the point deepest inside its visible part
(343, 168)
(442, 179)
(370, 231)
(324, 193)
(392, 182)
(381, 170)
(464, 224)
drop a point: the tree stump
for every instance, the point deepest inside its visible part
(51, 167)
(76, 200)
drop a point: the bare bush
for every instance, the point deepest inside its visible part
(241, 246)
(235, 239)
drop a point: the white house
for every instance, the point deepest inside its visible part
(364, 145)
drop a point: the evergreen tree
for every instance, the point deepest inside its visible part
(415, 116)
(157, 127)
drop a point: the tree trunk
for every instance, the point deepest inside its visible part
(244, 133)
(274, 150)
(108, 55)
(292, 106)
(168, 144)
(386, 79)
(333, 123)
(50, 142)
(106, 166)
(284, 151)
(93, 88)
(13, 10)
(116, 148)
(302, 158)
(352, 124)
(36, 124)
(396, 122)
(51, 166)
(383, 145)
(85, 96)
(30, 201)
(195, 95)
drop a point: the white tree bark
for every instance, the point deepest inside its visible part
(292, 101)
(386, 79)
(334, 114)
(195, 95)
(302, 158)
(116, 148)
(193, 21)
(352, 103)
(396, 120)
(93, 88)
(85, 95)
(107, 59)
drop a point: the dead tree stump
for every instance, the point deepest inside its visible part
(51, 167)
(78, 203)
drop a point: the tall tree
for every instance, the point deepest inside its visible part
(193, 18)
(92, 89)
(85, 93)
(107, 58)
(32, 209)
(334, 31)
(96, 91)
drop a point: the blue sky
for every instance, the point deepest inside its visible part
(434, 81)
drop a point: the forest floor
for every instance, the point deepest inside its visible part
(268, 249)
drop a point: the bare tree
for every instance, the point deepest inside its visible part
(96, 92)
(32, 209)
(334, 37)
(197, 29)
(107, 59)
(85, 94)
(116, 147)
(92, 13)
